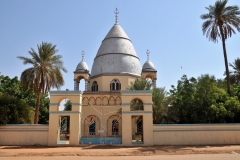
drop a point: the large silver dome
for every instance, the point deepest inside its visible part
(116, 55)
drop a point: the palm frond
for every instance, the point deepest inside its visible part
(220, 16)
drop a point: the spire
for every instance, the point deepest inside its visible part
(116, 15)
(148, 52)
(82, 54)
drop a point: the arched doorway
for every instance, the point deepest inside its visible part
(137, 129)
(92, 127)
(115, 127)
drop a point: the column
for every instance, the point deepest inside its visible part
(86, 85)
(154, 83)
(76, 85)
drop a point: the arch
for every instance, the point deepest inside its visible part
(105, 101)
(118, 101)
(98, 101)
(118, 130)
(80, 77)
(115, 85)
(137, 128)
(136, 104)
(65, 104)
(92, 101)
(112, 101)
(85, 101)
(94, 86)
(62, 98)
(115, 127)
(91, 125)
(80, 82)
(150, 76)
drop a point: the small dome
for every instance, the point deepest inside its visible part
(148, 66)
(82, 67)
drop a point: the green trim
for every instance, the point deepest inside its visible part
(147, 104)
(209, 124)
(144, 104)
(23, 130)
(137, 95)
(76, 104)
(137, 112)
(65, 92)
(64, 112)
(200, 130)
(136, 91)
(57, 105)
(26, 125)
(54, 104)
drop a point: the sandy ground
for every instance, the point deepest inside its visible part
(102, 151)
(158, 157)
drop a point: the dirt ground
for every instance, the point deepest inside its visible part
(103, 150)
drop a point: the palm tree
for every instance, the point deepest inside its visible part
(235, 74)
(140, 84)
(45, 72)
(219, 23)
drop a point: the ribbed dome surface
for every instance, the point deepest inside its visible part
(82, 67)
(116, 55)
(116, 31)
(148, 66)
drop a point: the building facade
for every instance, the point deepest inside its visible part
(103, 109)
(107, 112)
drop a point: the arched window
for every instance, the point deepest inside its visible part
(92, 127)
(136, 105)
(115, 85)
(114, 127)
(94, 86)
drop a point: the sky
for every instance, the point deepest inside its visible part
(170, 30)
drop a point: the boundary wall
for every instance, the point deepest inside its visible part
(24, 134)
(196, 134)
(163, 134)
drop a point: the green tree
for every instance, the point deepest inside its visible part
(219, 23)
(68, 106)
(44, 110)
(199, 100)
(45, 72)
(235, 74)
(14, 110)
(218, 113)
(12, 87)
(207, 94)
(140, 84)
(232, 105)
(183, 99)
(161, 102)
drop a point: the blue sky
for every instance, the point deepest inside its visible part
(170, 29)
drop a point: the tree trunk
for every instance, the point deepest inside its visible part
(37, 109)
(226, 61)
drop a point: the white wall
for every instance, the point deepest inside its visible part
(24, 134)
(196, 134)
